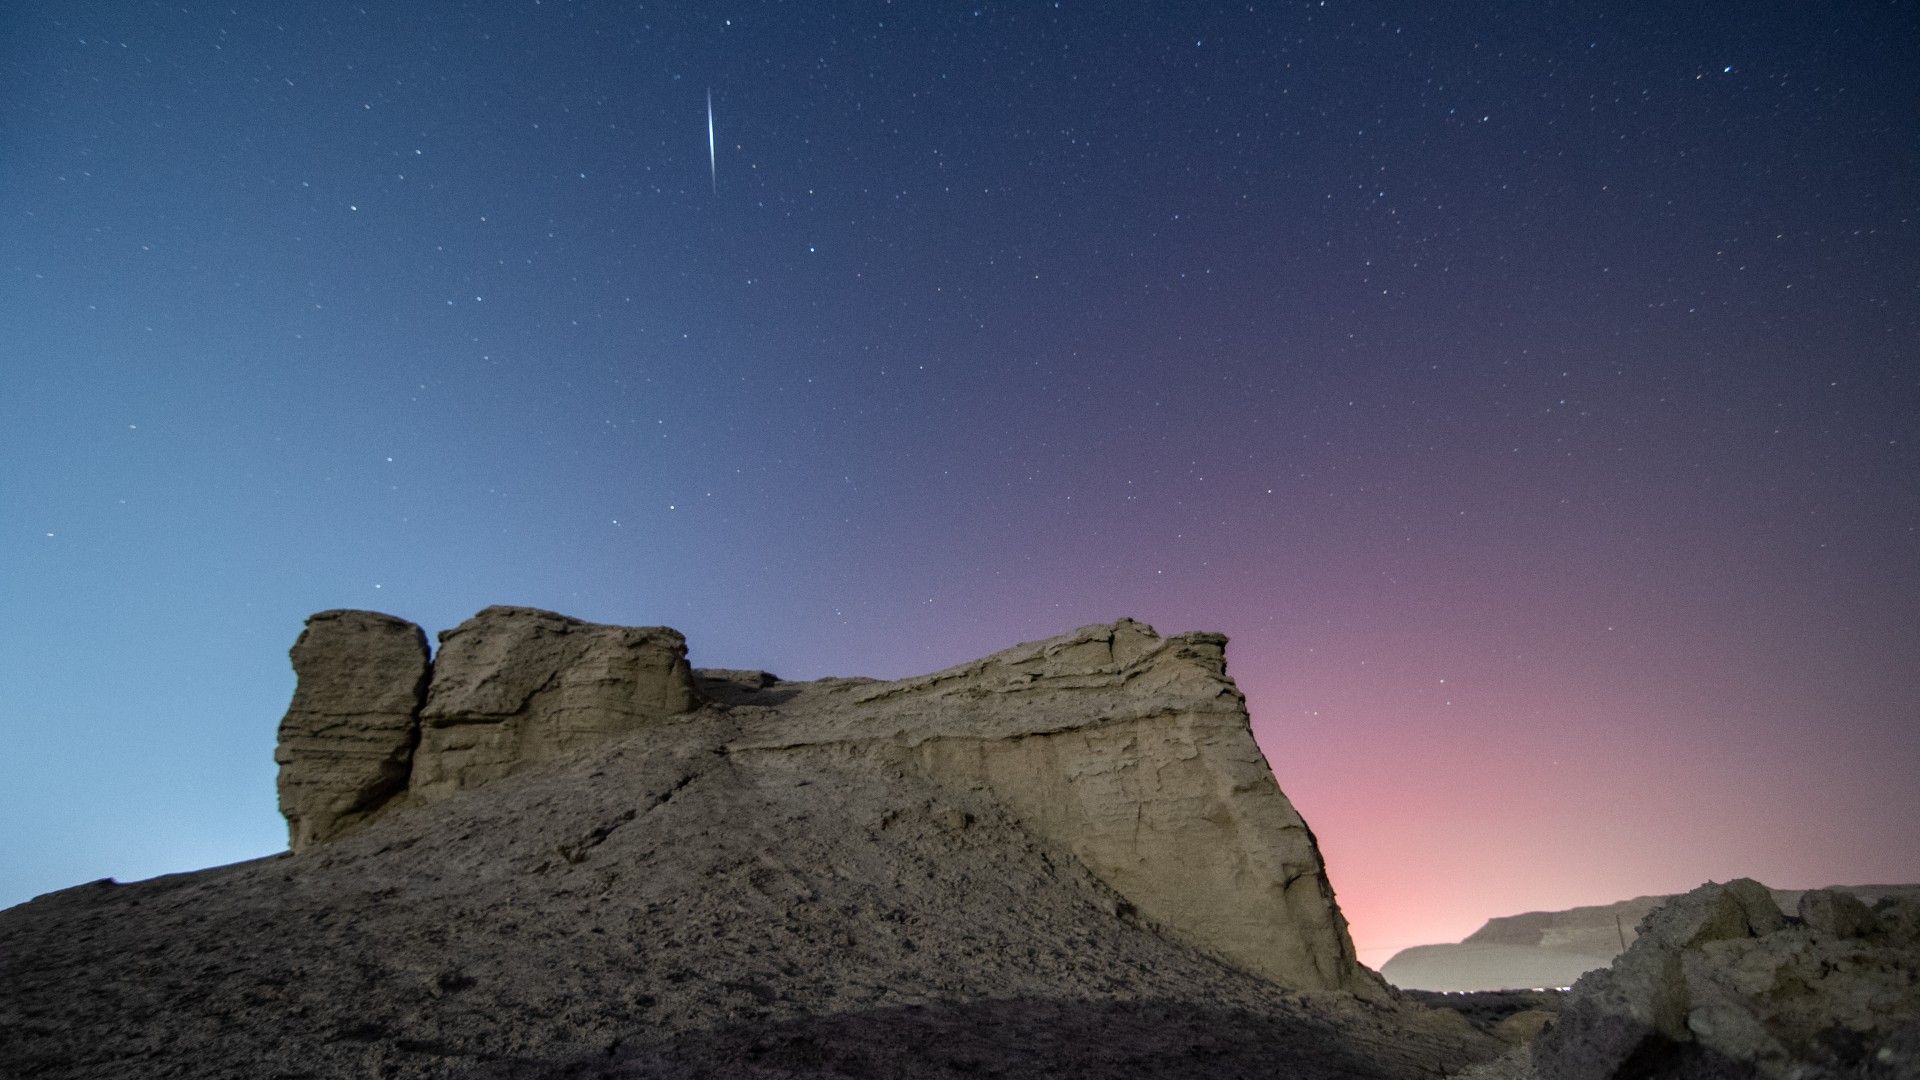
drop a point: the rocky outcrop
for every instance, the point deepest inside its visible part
(1126, 750)
(1554, 948)
(1133, 752)
(346, 743)
(373, 720)
(1721, 983)
(516, 685)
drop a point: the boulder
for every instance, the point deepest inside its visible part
(1899, 920)
(517, 685)
(1523, 1027)
(346, 742)
(1838, 913)
(1740, 908)
(1554, 948)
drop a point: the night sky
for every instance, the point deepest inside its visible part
(1529, 389)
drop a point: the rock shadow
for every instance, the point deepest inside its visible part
(1021, 1037)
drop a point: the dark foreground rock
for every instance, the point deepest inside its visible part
(1514, 1017)
(1063, 859)
(1721, 983)
(1553, 948)
(1086, 1040)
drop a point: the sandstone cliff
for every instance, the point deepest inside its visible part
(346, 744)
(1129, 750)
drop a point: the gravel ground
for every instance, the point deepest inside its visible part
(657, 907)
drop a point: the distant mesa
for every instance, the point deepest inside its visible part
(1554, 948)
(554, 848)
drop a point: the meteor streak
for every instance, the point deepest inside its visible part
(713, 163)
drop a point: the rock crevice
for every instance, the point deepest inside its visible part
(374, 722)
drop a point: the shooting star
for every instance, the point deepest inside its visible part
(713, 161)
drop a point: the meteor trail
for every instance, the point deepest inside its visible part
(713, 165)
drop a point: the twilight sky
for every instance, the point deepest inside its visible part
(1530, 389)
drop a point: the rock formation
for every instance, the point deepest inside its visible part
(1129, 750)
(1720, 983)
(1034, 864)
(511, 686)
(515, 685)
(346, 744)
(1553, 948)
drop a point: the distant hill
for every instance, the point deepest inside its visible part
(1552, 948)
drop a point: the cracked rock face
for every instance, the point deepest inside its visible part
(1132, 752)
(346, 743)
(1067, 858)
(1128, 751)
(373, 724)
(516, 685)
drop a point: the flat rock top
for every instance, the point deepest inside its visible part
(358, 615)
(506, 615)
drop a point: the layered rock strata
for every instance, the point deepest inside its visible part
(1127, 750)
(1131, 751)
(346, 743)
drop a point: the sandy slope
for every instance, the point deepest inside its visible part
(659, 907)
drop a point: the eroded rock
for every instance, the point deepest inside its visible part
(947, 875)
(1838, 913)
(1131, 751)
(1554, 948)
(517, 685)
(1719, 982)
(346, 743)
(1899, 920)
(1126, 750)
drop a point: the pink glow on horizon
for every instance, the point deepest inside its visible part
(1534, 777)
